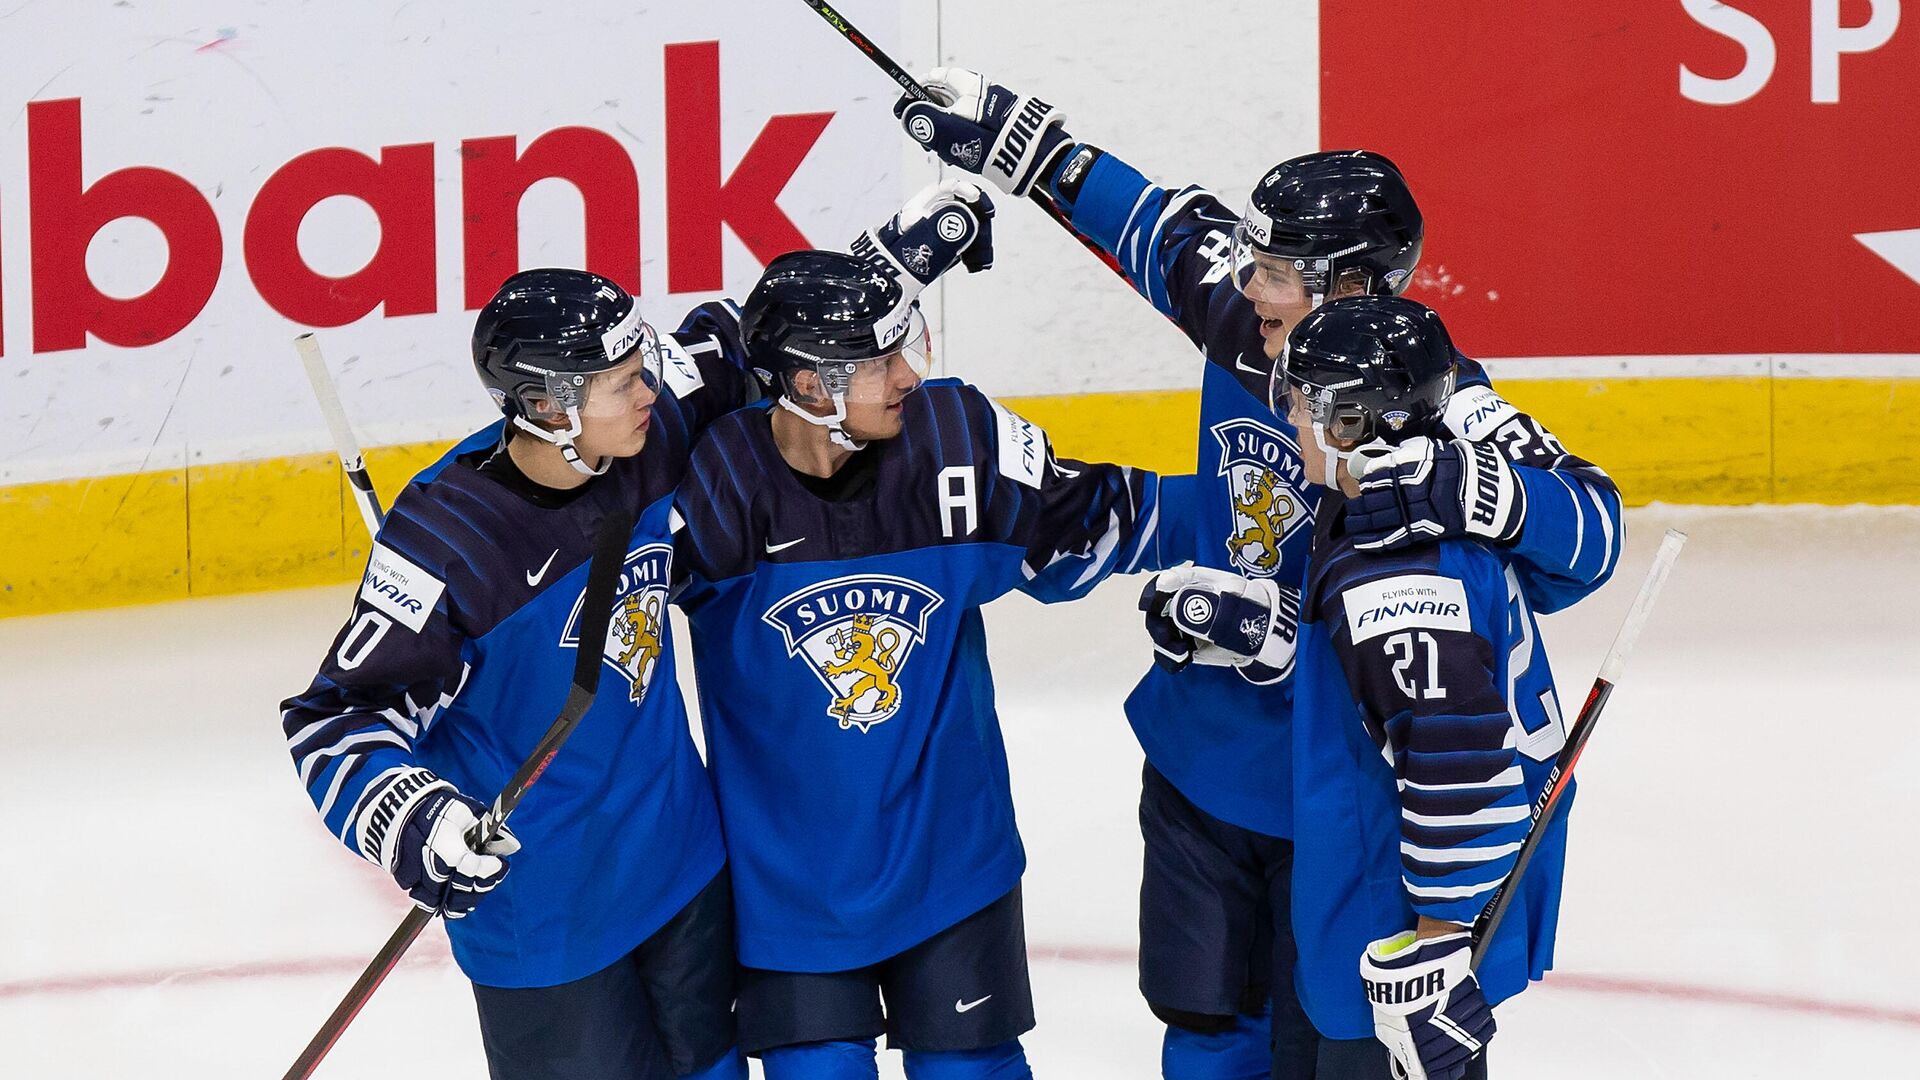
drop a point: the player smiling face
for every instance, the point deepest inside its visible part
(877, 394)
(1281, 296)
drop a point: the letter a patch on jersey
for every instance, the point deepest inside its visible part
(637, 633)
(1264, 479)
(855, 634)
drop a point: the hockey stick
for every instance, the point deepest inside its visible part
(1549, 800)
(603, 577)
(914, 90)
(348, 447)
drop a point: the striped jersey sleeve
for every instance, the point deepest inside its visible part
(396, 664)
(1430, 692)
(1574, 528)
(1173, 246)
(1086, 521)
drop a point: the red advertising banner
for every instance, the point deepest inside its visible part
(1647, 177)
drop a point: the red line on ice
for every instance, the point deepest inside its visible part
(428, 956)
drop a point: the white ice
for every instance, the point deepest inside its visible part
(1740, 880)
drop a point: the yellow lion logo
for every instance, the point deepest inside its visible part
(871, 655)
(1266, 506)
(639, 630)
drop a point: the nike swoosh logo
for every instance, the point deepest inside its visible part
(533, 577)
(1240, 361)
(773, 547)
(962, 1006)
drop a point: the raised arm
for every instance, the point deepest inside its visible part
(1078, 522)
(1171, 245)
(1504, 478)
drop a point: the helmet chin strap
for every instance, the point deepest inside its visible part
(564, 440)
(835, 433)
(1330, 458)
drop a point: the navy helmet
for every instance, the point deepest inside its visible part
(543, 337)
(1370, 368)
(1336, 218)
(829, 313)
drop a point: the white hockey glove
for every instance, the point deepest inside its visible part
(1426, 490)
(1427, 1006)
(419, 829)
(984, 128)
(1213, 618)
(943, 224)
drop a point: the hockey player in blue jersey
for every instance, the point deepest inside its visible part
(838, 545)
(1216, 805)
(608, 949)
(604, 951)
(1425, 723)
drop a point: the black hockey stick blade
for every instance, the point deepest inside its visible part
(913, 89)
(603, 577)
(1548, 801)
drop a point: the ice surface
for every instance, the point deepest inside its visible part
(1740, 880)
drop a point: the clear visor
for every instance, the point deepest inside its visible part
(883, 379)
(1305, 405)
(1266, 278)
(627, 387)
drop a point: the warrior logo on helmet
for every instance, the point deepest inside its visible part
(636, 635)
(1264, 479)
(855, 634)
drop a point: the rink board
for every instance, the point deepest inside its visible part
(204, 530)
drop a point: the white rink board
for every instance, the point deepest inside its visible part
(1736, 880)
(224, 95)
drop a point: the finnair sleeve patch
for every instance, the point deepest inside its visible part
(1424, 601)
(396, 586)
(678, 368)
(1475, 412)
(1023, 447)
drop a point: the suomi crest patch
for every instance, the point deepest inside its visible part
(1264, 478)
(855, 634)
(637, 633)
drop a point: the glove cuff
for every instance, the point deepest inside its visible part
(1065, 179)
(384, 810)
(1031, 134)
(1490, 492)
(1404, 974)
(869, 247)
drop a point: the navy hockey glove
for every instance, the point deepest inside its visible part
(1428, 490)
(418, 828)
(945, 223)
(1213, 618)
(1427, 1006)
(984, 128)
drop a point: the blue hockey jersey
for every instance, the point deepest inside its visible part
(842, 663)
(459, 653)
(1219, 735)
(1425, 725)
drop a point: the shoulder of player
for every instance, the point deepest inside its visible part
(995, 435)
(729, 436)
(727, 471)
(1476, 409)
(463, 528)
